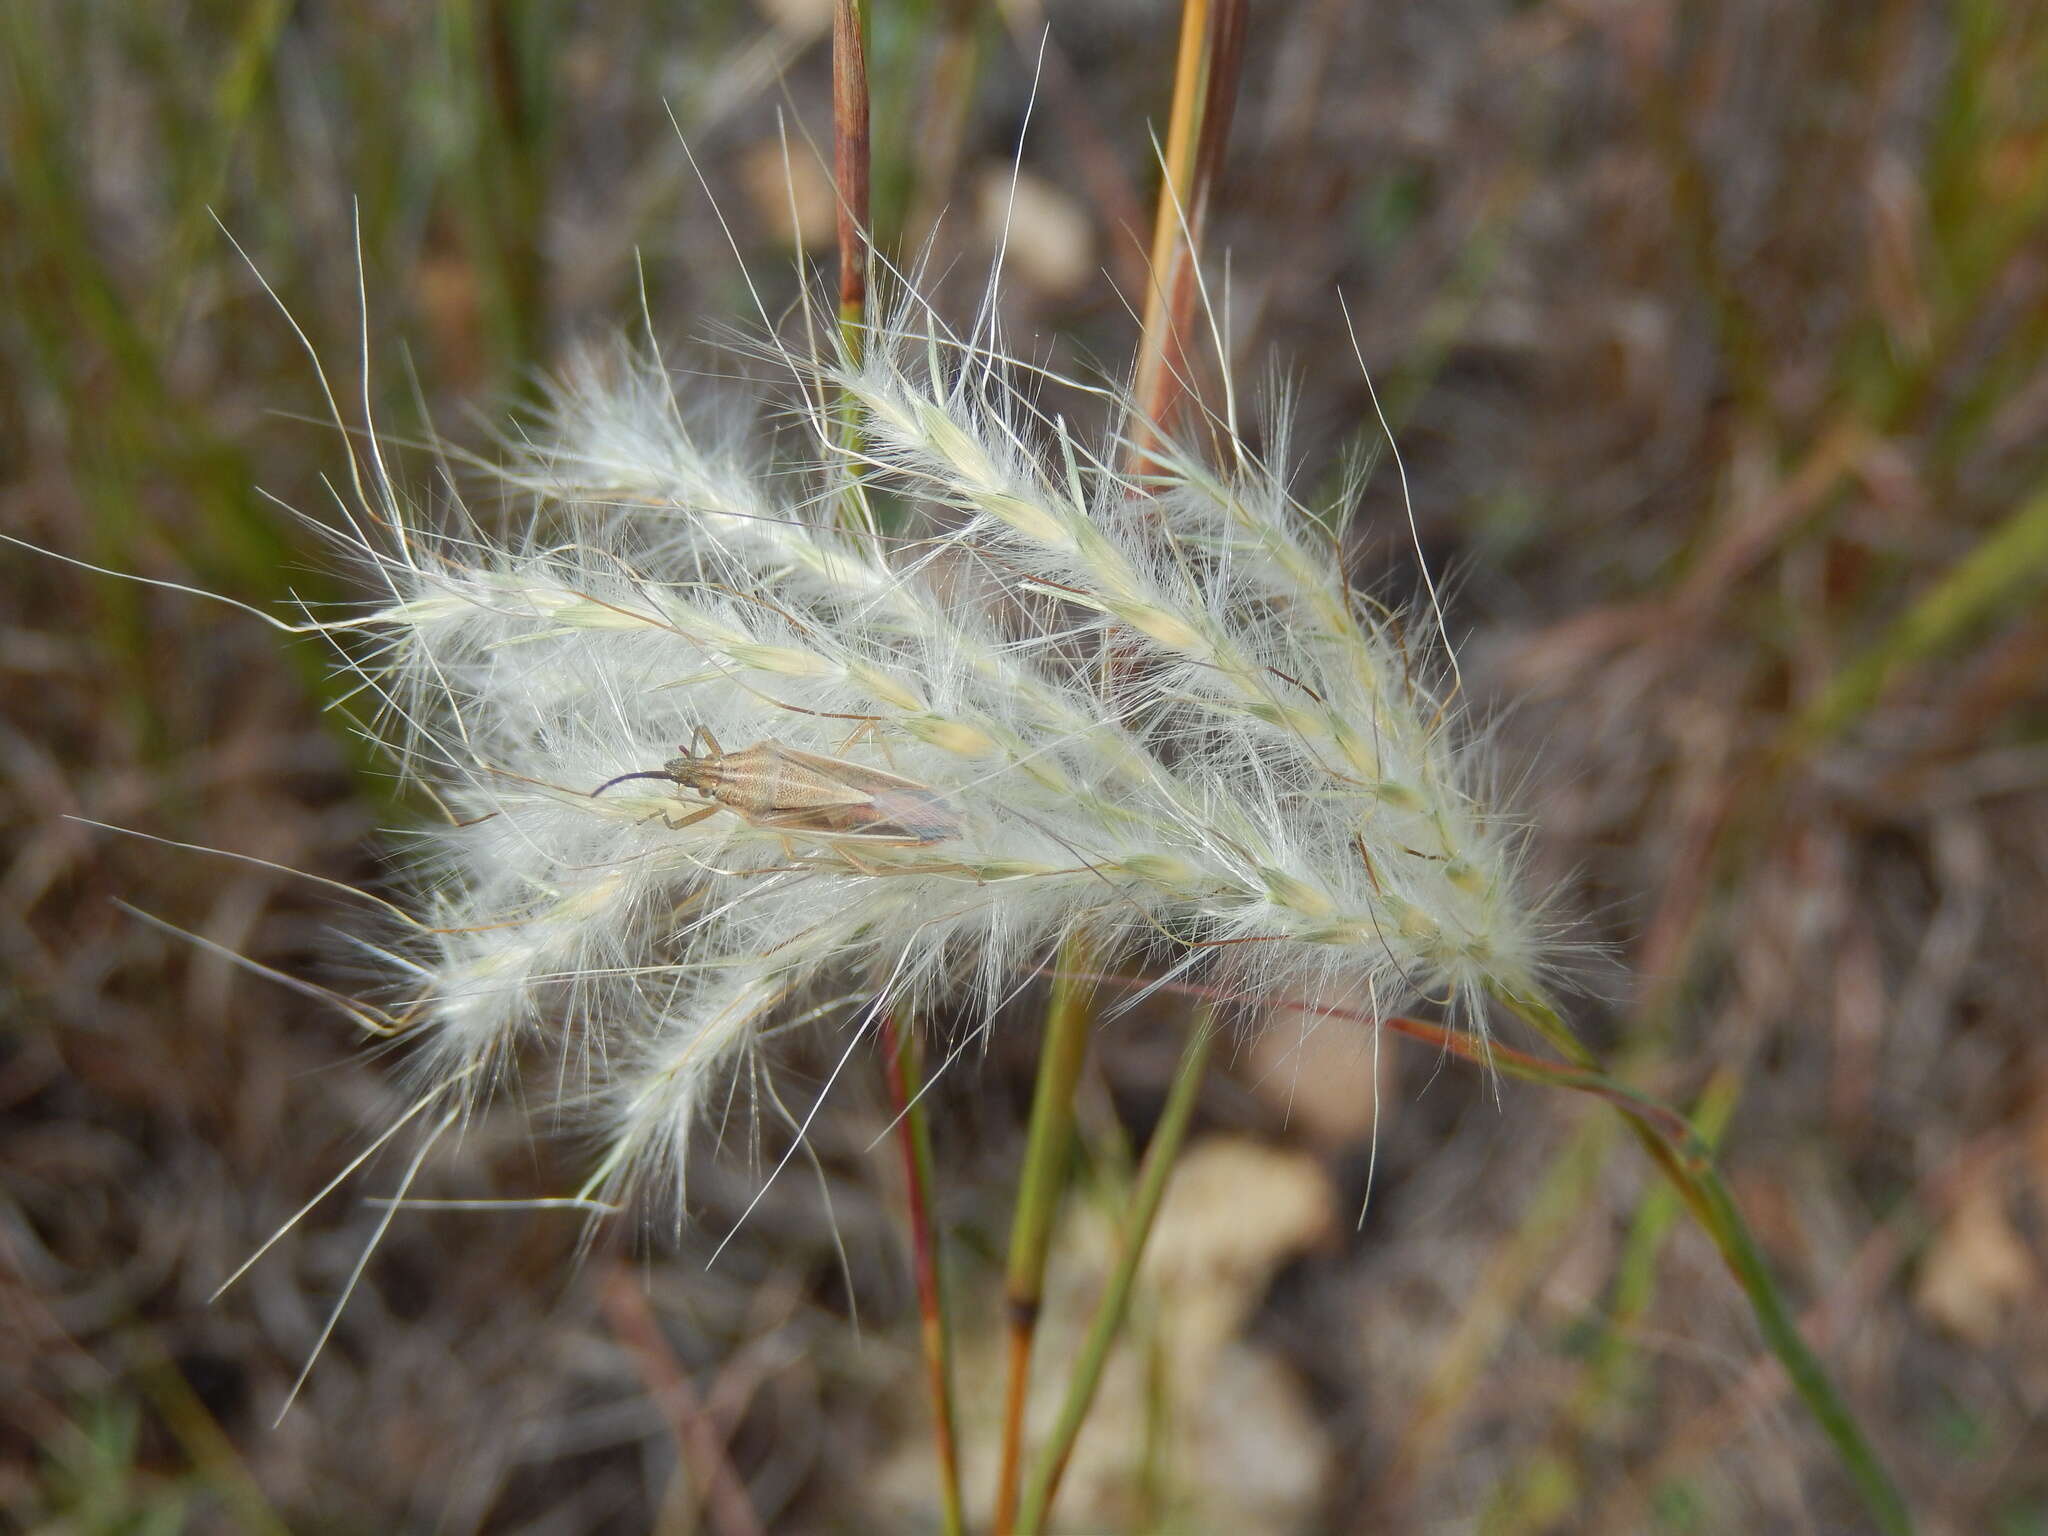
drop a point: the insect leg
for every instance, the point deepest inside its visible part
(845, 851)
(862, 732)
(690, 820)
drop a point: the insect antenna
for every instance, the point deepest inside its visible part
(657, 773)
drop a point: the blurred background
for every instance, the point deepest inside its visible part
(1714, 337)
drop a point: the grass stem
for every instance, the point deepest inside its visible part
(1153, 1172)
(1692, 1172)
(1198, 126)
(1686, 1159)
(700, 1441)
(853, 176)
(850, 166)
(2003, 569)
(1048, 1145)
(913, 1131)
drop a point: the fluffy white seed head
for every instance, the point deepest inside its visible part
(1149, 708)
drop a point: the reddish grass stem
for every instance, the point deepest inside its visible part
(850, 162)
(913, 1134)
(1686, 1159)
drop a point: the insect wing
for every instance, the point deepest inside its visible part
(770, 780)
(921, 815)
(827, 794)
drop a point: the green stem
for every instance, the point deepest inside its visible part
(1636, 1277)
(1700, 1185)
(1686, 1159)
(2003, 569)
(1103, 1328)
(853, 176)
(1049, 1141)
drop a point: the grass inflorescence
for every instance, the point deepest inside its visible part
(1147, 709)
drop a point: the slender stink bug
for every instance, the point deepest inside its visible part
(779, 788)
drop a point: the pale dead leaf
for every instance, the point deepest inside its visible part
(774, 185)
(1977, 1268)
(797, 19)
(1051, 241)
(1234, 1213)
(1318, 1074)
(1244, 1449)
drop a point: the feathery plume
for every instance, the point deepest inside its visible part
(1147, 709)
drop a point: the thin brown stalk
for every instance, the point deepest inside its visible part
(850, 163)
(1686, 1159)
(1198, 127)
(1205, 88)
(913, 1134)
(853, 174)
(699, 1443)
(1466, 1047)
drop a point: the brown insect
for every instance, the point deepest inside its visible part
(779, 788)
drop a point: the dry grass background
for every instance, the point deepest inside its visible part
(1715, 334)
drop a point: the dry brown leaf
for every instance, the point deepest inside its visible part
(778, 188)
(1051, 243)
(1318, 1073)
(1244, 1449)
(1234, 1213)
(1977, 1268)
(797, 20)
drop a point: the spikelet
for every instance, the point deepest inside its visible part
(1147, 708)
